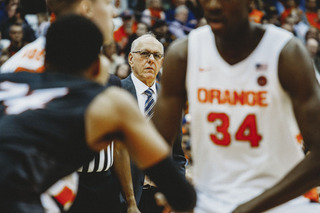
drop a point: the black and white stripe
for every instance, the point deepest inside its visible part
(101, 162)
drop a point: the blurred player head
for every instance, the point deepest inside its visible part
(73, 46)
(100, 12)
(226, 17)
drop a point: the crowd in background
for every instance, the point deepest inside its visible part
(168, 20)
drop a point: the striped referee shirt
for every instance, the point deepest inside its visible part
(101, 162)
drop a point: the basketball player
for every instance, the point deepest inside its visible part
(74, 114)
(251, 89)
(31, 59)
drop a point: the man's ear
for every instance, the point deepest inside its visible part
(161, 62)
(130, 59)
(94, 69)
(85, 8)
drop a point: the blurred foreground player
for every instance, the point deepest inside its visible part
(72, 112)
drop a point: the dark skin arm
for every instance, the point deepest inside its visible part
(296, 74)
(172, 97)
(123, 171)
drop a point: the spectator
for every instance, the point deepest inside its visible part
(255, 14)
(312, 33)
(10, 7)
(142, 28)
(288, 6)
(16, 39)
(111, 51)
(271, 16)
(191, 19)
(161, 31)
(312, 13)
(122, 71)
(301, 24)
(128, 27)
(19, 18)
(288, 27)
(120, 6)
(179, 27)
(312, 46)
(153, 12)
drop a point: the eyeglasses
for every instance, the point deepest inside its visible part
(146, 54)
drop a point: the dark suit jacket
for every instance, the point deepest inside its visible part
(114, 81)
(178, 155)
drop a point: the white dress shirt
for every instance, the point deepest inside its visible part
(140, 88)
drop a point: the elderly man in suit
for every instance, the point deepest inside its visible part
(145, 60)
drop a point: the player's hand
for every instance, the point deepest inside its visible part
(162, 201)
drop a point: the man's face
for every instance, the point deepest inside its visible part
(225, 16)
(12, 7)
(146, 68)
(102, 14)
(141, 29)
(16, 33)
(182, 16)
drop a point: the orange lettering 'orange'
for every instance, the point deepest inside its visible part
(238, 97)
(250, 98)
(262, 98)
(202, 95)
(214, 94)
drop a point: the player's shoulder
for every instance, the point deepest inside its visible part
(178, 49)
(114, 99)
(116, 96)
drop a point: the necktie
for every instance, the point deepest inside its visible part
(149, 104)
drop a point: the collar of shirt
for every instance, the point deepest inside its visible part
(140, 88)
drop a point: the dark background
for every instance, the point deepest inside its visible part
(33, 6)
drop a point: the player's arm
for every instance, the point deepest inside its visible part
(172, 97)
(297, 77)
(122, 169)
(115, 113)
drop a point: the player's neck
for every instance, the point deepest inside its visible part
(234, 49)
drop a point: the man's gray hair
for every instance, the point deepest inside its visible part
(147, 35)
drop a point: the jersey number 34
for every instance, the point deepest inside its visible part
(247, 131)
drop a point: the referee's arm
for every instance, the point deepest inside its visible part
(121, 166)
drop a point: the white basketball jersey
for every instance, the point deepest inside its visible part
(29, 58)
(243, 127)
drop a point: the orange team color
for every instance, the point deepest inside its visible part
(249, 98)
